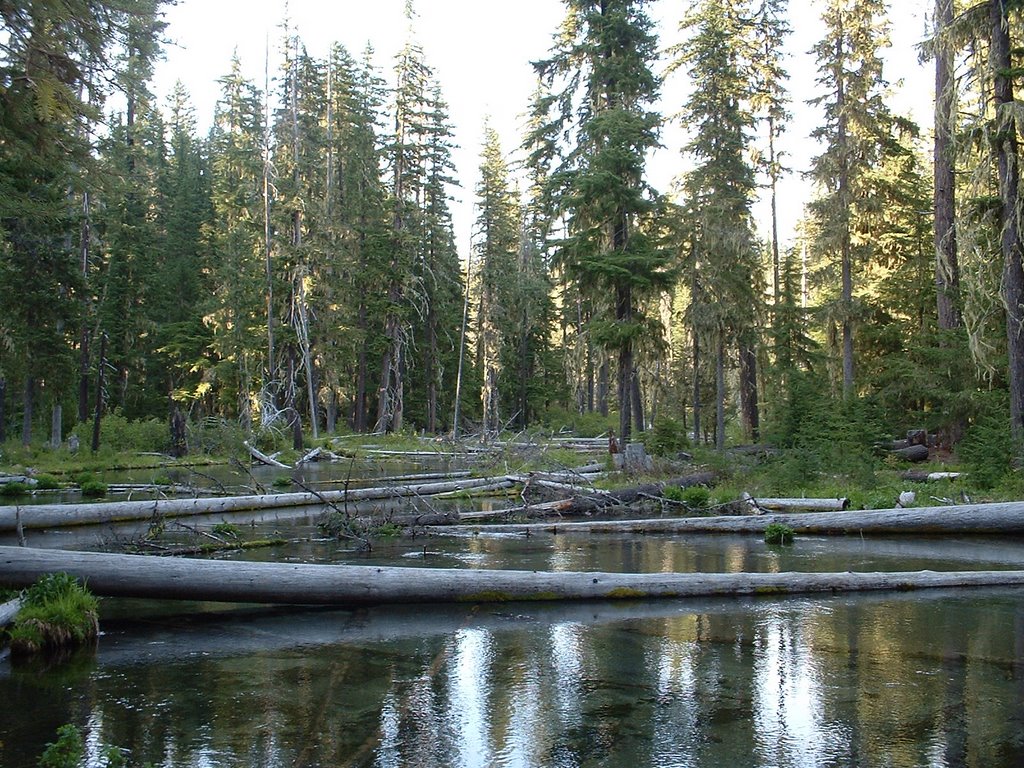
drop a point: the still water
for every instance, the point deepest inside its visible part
(929, 679)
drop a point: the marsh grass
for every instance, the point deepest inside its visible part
(57, 613)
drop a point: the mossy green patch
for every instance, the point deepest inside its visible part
(625, 593)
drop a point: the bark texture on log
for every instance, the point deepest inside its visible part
(301, 584)
(998, 518)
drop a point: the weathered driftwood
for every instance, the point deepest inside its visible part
(55, 515)
(797, 505)
(262, 457)
(928, 477)
(22, 479)
(998, 518)
(9, 611)
(301, 584)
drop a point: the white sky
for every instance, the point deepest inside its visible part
(481, 51)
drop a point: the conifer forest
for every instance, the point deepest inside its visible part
(293, 267)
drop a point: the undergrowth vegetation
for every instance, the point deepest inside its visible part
(57, 613)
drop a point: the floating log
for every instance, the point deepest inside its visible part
(56, 515)
(996, 518)
(262, 457)
(303, 584)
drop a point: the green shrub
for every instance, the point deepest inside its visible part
(227, 529)
(11, 490)
(987, 448)
(94, 488)
(119, 434)
(282, 481)
(777, 533)
(66, 752)
(695, 496)
(47, 482)
(665, 437)
(57, 612)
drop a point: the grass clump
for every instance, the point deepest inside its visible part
(12, 490)
(695, 497)
(282, 482)
(777, 533)
(94, 488)
(57, 613)
(47, 482)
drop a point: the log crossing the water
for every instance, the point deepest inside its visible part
(1006, 518)
(56, 515)
(142, 576)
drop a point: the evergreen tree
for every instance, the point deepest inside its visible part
(719, 194)
(496, 252)
(857, 133)
(236, 317)
(600, 72)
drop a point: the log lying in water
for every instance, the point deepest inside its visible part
(997, 518)
(301, 584)
(55, 515)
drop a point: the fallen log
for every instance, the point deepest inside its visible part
(9, 611)
(56, 515)
(262, 457)
(798, 505)
(928, 477)
(912, 453)
(303, 584)
(1006, 518)
(588, 504)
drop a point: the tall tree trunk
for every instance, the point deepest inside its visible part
(98, 412)
(85, 236)
(624, 314)
(639, 422)
(720, 392)
(3, 409)
(602, 387)
(56, 426)
(748, 389)
(696, 387)
(295, 419)
(947, 267)
(845, 245)
(1009, 182)
(26, 411)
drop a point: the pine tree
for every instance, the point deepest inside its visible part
(856, 131)
(600, 74)
(237, 317)
(496, 252)
(719, 194)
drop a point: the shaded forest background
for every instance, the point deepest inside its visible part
(292, 269)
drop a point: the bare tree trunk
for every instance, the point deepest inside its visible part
(638, 404)
(26, 411)
(3, 409)
(845, 246)
(947, 267)
(1009, 181)
(696, 387)
(56, 426)
(98, 413)
(602, 386)
(720, 392)
(623, 314)
(748, 390)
